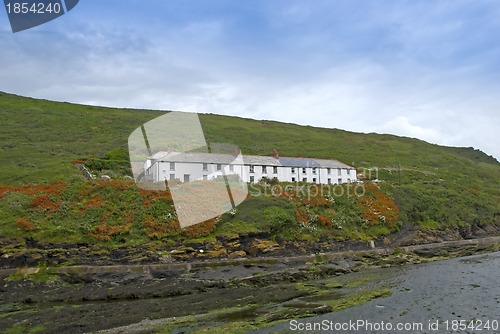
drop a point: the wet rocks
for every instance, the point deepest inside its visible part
(237, 254)
(32, 252)
(216, 253)
(262, 246)
(303, 310)
(182, 253)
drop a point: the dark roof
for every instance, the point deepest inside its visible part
(247, 160)
(197, 157)
(261, 160)
(332, 164)
(299, 162)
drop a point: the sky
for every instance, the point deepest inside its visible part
(422, 69)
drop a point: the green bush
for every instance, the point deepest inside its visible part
(120, 167)
(117, 154)
(278, 218)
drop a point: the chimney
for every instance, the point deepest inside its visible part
(276, 155)
(236, 152)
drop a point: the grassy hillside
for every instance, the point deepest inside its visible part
(436, 187)
(40, 138)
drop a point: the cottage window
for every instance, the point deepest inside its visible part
(219, 167)
(329, 171)
(303, 170)
(348, 172)
(329, 181)
(264, 170)
(172, 166)
(340, 181)
(304, 179)
(205, 177)
(231, 168)
(314, 170)
(314, 180)
(252, 169)
(293, 170)
(275, 170)
(172, 176)
(186, 177)
(252, 179)
(293, 179)
(340, 171)
(205, 166)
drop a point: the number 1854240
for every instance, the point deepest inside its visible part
(474, 325)
(33, 8)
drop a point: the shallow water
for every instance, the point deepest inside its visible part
(438, 297)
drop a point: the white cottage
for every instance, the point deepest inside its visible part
(249, 168)
(335, 172)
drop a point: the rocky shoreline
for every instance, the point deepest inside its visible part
(80, 299)
(31, 253)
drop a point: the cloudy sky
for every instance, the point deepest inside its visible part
(424, 69)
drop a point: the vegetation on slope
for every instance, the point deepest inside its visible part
(119, 212)
(43, 195)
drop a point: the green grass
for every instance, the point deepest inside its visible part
(429, 224)
(40, 138)
(24, 330)
(43, 275)
(230, 328)
(358, 298)
(433, 186)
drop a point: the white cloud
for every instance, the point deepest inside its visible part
(402, 125)
(410, 80)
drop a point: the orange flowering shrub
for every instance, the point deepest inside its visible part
(4, 189)
(103, 231)
(157, 229)
(324, 220)
(25, 224)
(44, 203)
(302, 216)
(377, 207)
(151, 196)
(129, 216)
(200, 230)
(95, 202)
(317, 201)
(55, 189)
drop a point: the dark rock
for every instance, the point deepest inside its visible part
(160, 274)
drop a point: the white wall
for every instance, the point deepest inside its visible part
(258, 175)
(325, 176)
(194, 170)
(346, 175)
(288, 175)
(161, 172)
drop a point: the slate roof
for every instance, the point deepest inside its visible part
(257, 160)
(299, 162)
(214, 158)
(261, 160)
(332, 164)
